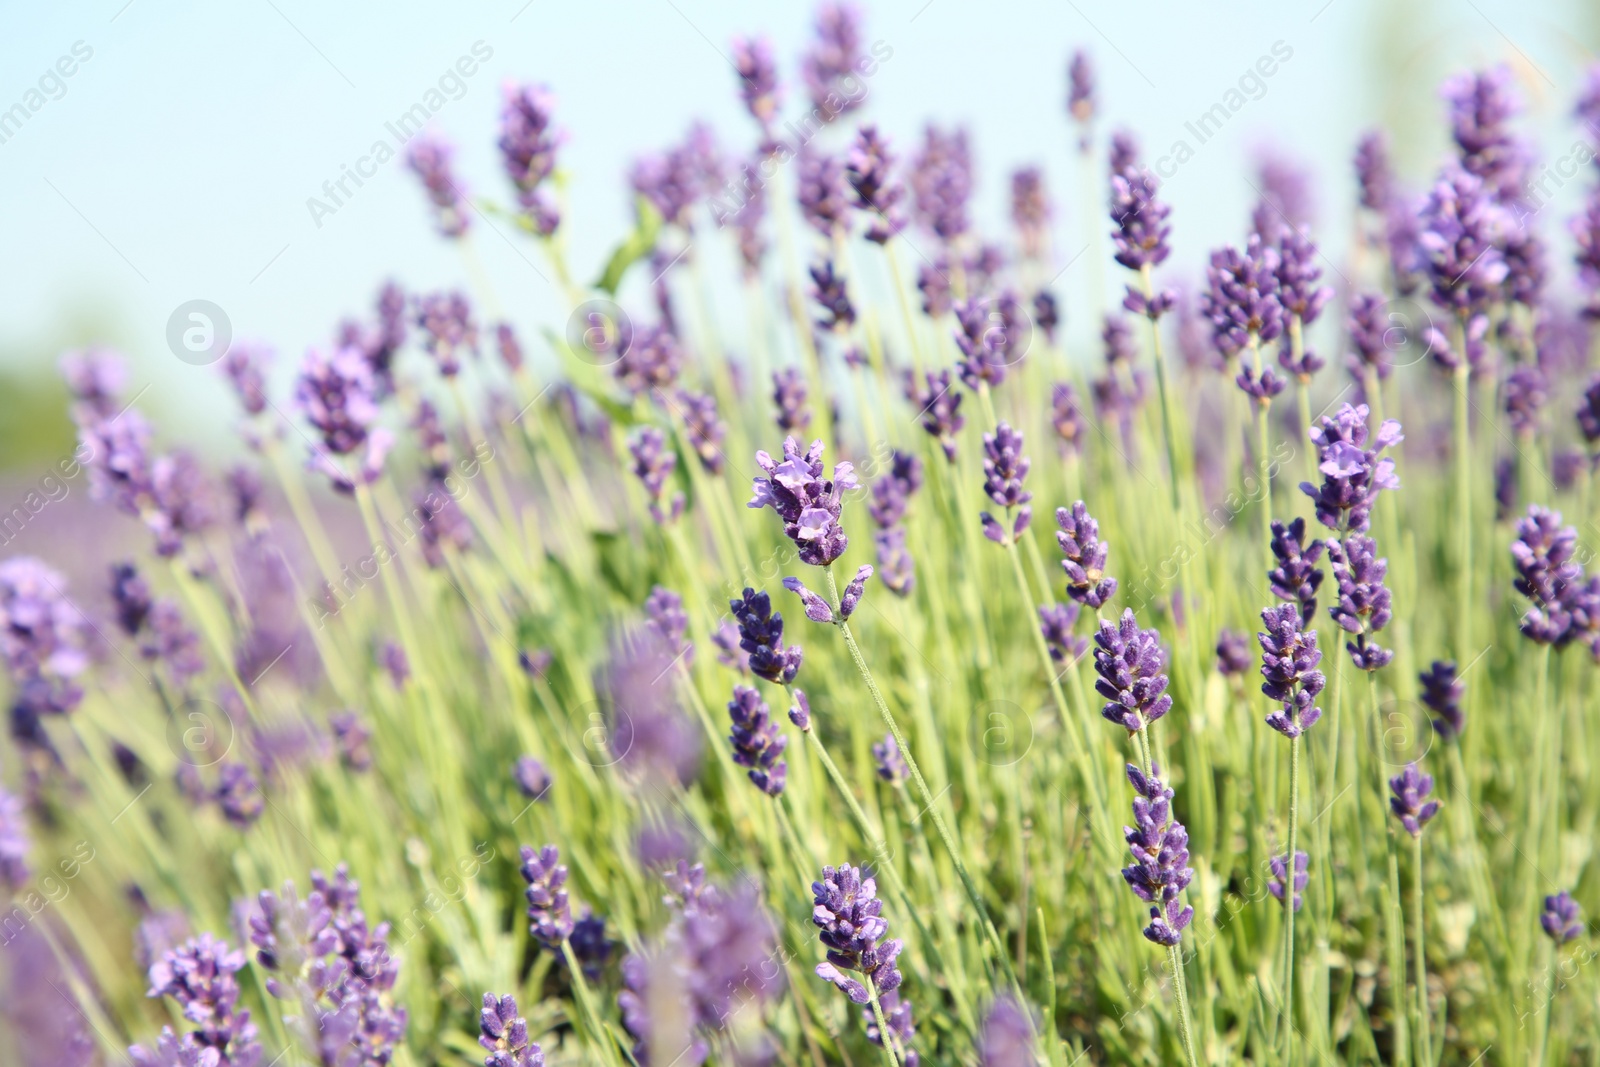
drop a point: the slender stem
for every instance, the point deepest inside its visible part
(1175, 955)
(1173, 473)
(1424, 1042)
(1394, 924)
(1288, 897)
(1263, 433)
(980, 909)
(886, 1040)
(586, 1000)
(1463, 446)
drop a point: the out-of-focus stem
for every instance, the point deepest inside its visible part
(1288, 898)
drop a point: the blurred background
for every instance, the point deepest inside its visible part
(177, 160)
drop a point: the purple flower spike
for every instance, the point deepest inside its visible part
(1586, 235)
(1055, 623)
(1067, 417)
(1160, 847)
(1280, 874)
(1363, 606)
(940, 410)
(1289, 658)
(1260, 388)
(1526, 393)
(528, 152)
(941, 182)
(1374, 172)
(1482, 105)
(1005, 468)
(1080, 89)
(200, 977)
(1030, 210)
(1442, 690)
(245, 365)
(851, 598)
(1409, 802)
(891, 765)
(816, 608)
(664, 609)
(504, 1033)
(1233, 652)
(1462, 231)
(549, 912)
(848, 912)
(789, 393)
(704, 428)
(985, 343)
(532, 777)
(800, 711)
(653, 464)
(1242, 300)
(14, 844)
(808, 503)
(1142, 229)
(822, 198)
(1298, 275)
(1562, 919)
(1352, 474)
(757, 742)
(877, 192)
(1370, 331)
(830, 65)
(758, 80)
(828, 290)
(1296, 578)
(41, 637)
(429, 159)
(892, 492)
(1079, 540)
(1007, 1039)
(761, 637)
(1547, 575)
(649, 361)
(1130, 664)
(896, 569)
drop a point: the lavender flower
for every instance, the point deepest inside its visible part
(1525, 395)
(1289, 658)
(816, 608)
(985, 344)
(429, 159)
(758, 80)
(167, 639)
(239, 795)
(1233, 652)
(1055, 623)
(896, 568)
(1481, 106)
(1030, 210)
(504, 1033)
(848, 912)
(1461, 230)
(876, 191)
(351, 737)
(1296, 579)
(1363, 607)
(830, 66)
(1409, 802)
(1160, 847)
(1004, 470)
(939, 407)
(1352, 474)
(1374, 172)
(761, 638)
(1142, 229)
(1589, 415)
(747, 221)
(1369, 331)
(800, 711)
(1547, 575)
(890, 764)
(828, 290)
(528, 153)
(245, 365)
(1298, 275)
(757, 742)
(892, 492)
(1079, 540)
(549, 913)
(337, 395)
(1242, 301)
(200, 977)
(1442, 690)
(1280, 875)
(933, 282)
(1080, 95)
(789, 393)
(14, 844)
(41, 637)
(1046, 314)
(664, 609)
(1586, 235)
(449, 330)
(823, 201)
(941, 182)
(119, 458)
(171, 1051)
(95, 377)
(1066, 417)
(1130, 664)
(1007, 1039)
(653, 465)
(808, 504)
(1562, 919)
(532, 777)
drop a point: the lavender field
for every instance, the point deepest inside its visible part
(843, 635)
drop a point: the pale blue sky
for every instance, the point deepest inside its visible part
(179, 159)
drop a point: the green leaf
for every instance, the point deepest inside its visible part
(634, 247)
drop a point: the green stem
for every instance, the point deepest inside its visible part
(981, 910)
(886, 1040)
(1463, 446)
(1175, 955)
(1424, 1042)
(1173, 473)
(1288, 897)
